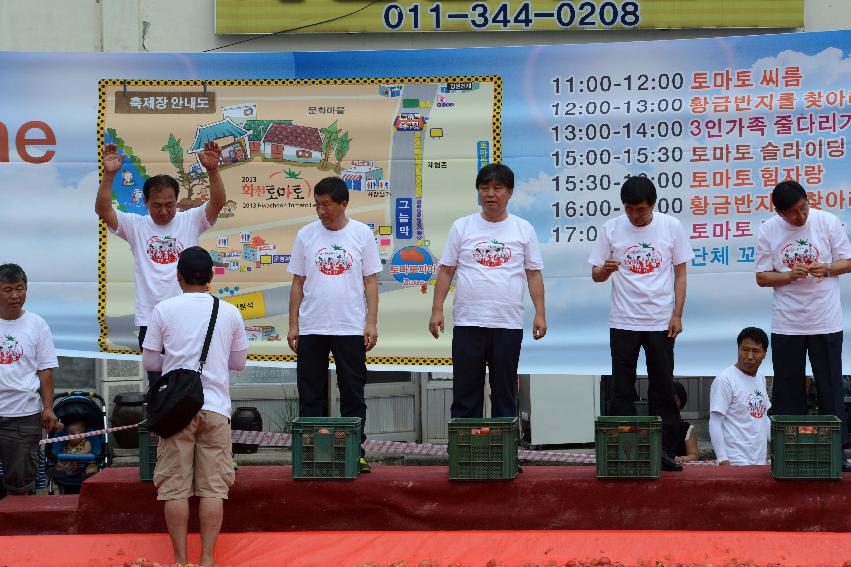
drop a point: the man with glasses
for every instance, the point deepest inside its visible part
(801, 253)
(492, 255)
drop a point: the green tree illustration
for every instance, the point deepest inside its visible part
(175, 155)
(343, 144)
(329, 140)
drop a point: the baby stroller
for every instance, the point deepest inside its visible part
(68, 471)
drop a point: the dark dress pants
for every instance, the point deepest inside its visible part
(473, 350)
(659, 355)
(312, 375)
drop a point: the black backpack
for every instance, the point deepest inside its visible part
(178, 395)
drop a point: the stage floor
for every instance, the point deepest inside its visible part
(471, 549)
(405, 498)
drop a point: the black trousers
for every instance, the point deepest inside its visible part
(474, 349)
(152, 375)
(659, 354)
(789, 395)
(312, 375)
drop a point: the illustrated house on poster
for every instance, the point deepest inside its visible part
(362, 176)
(292, 142)
(232, 139)
(257, 130)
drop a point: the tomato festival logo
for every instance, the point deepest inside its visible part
(164, 250)
(642, 259)
(756, 404)
(800, 252)
(492, 254)
(334, 261)
(412, 266)
(11, 351)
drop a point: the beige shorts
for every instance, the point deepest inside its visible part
(197, 460)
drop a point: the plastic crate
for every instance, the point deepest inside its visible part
(483, 449)
(806, 446)
(628, 446)
(326, 447)
(147, 453)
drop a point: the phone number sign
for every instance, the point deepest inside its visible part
(273, 16)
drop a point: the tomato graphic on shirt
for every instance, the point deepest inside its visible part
(334, 261)
(491, 254)
(642, 258)
(164, 249)
(756, 404)
(798, 253)
(11, 350)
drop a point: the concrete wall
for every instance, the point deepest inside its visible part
(187, 26)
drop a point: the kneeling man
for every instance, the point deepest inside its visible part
(738, 402)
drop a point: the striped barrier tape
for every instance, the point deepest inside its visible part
(86, 434)
(277, 439)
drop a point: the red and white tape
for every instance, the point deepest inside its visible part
(277, 439)
(86, 434)
(273, 439)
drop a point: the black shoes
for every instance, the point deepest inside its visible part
(669, 464)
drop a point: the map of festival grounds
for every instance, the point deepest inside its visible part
(408, 149)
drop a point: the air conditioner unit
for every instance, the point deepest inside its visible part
(558, 409)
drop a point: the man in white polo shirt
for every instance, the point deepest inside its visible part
(801, 253)
(333, 305)
(738, 405)
(645, 253)
(196, 461)
(156, 239)
(493, 256)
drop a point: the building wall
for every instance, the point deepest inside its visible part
(187, 26)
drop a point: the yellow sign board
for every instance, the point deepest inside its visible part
(251, 305)
(274, 16)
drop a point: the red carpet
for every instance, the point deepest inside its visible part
(472, 549)
(421, 498)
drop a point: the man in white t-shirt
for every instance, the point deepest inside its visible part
(738, 402)
(645, 254)
(27, 360)
(801, 253)
(156, 239)
(492, 255)
(196, 461)
(333, 305)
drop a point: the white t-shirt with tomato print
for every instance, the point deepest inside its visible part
(334, 263)
(26, 346)
(491, 260)
(643, 285)
(155, 251)
(743, 401)
(808, 306)
(179, 324)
